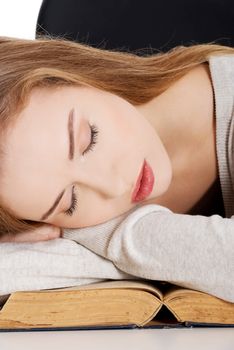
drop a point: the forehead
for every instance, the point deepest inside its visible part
(45, 109)
(49, 96)
(29, 145)
(43, 104)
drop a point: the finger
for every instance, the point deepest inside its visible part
(44, 233)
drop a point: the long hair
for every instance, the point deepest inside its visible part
(51, 61)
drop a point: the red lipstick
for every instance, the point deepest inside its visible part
(144, 184)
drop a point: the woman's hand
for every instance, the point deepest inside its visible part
(43, 233)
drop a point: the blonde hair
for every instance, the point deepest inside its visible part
(54, 61)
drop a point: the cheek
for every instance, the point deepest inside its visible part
(162, 168)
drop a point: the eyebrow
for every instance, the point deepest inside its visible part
(70, 127)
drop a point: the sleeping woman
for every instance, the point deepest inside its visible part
(129, 158)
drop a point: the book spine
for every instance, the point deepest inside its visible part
(67, 328)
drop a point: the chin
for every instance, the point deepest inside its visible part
(147, 201)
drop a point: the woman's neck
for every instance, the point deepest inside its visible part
(183, 117)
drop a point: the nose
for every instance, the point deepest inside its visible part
(108, 186)
(106, 180)
(112, 188)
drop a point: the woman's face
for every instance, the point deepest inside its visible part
(38, 167)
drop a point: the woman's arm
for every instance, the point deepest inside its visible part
(51, 264)
(154, 243)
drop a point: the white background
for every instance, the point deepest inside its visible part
(18, 18)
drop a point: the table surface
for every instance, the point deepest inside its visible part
(116, 339)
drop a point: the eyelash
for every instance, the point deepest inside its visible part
(94, 134)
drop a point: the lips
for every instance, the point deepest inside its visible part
(144, 184)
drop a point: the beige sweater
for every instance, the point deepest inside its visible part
(149, 242)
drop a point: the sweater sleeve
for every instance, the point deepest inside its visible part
(154, 243)
(52, 264)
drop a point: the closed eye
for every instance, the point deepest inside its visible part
(93, 142)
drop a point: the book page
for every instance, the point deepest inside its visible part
(154, 287)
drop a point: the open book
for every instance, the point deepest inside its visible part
(114, 304)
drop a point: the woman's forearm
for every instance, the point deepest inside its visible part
(192, 251)
(51, 264)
